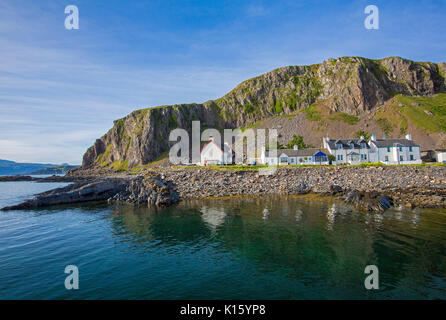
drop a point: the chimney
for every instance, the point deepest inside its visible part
(373, 137)
(325, 142)
(296, 147)
(408, 136)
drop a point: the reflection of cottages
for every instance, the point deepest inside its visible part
(213, 217)
(298, 215)
(265, 214)
(331, 216)
(310, 156)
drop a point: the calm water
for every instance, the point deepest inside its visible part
(247, 248)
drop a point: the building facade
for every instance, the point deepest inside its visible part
(348, 151)
(395, 151)
(295, 156)
(212, 154)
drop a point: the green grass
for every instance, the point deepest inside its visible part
(101, 159)
(173, 122)
(248, 108)
(252, 126)
(120, 165)
(312, 113)
(346, 118)
(418, 114)
(385, 125)
(278, 106)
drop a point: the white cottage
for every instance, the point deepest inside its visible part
(395, 151)
(295, 156)
(212, 154)
(439, 155)
(348, 151)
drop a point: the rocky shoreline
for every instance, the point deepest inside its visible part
(367, 188)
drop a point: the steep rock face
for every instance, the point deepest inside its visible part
(350, 85)
(143, 135)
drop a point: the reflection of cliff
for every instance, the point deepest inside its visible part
(167, 226)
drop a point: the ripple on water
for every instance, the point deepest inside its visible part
(241, 248)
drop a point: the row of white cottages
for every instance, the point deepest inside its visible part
(344, 151)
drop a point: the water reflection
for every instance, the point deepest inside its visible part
(265, 214)
(213, 217)
(318, 244)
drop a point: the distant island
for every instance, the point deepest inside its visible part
(14, 168)
(58, 169)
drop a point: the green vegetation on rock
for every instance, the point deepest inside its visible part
(347, 118)
(385, 125)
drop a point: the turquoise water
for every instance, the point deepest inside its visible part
(245, 248)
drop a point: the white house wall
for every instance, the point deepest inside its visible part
(395, 153)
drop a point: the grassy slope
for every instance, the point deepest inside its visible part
(426, 113)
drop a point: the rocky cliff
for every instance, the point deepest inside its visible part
(338, 96)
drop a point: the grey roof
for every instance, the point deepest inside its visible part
(298, 153)
(395, 142)
(346, 143)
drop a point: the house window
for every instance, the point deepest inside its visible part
(401, 149)
(340, 156)
(292, 160)
(411, 157)
(388, 149)
(387, 159)
(410, 149)
(283, 159)
(352, 146)
(401, 158)
(363, 157)
(363, 145)
(339, 146)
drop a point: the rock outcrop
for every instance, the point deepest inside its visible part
(139, 190)
(349, 86)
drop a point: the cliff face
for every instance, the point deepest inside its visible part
(352, 86)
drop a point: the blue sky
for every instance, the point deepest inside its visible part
(61, 89)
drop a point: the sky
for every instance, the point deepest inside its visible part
(61, 89)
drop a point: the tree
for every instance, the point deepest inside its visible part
(361, 133)
(331, 158)
(299, 141)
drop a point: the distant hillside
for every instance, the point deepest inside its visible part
(13, 168)
(337, 97)
(61, 169)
